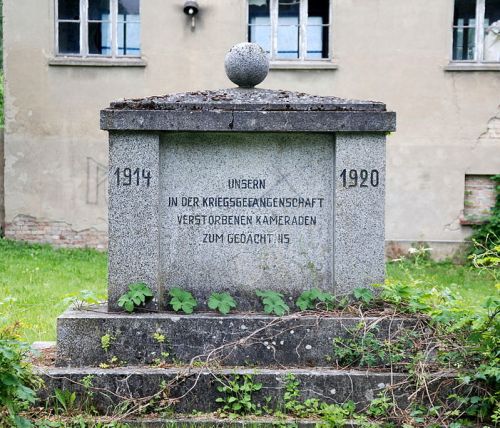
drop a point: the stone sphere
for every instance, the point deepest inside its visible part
(246, 64)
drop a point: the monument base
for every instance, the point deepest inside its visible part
(243, 339)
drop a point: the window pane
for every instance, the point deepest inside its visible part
(69, 37)
(492, 30)
(259, 20)
(288, 29)
(317, 29)
(317, 41)
(129, 39)
(465, 13)
(69, 9)
(128, 7)
(261, 34)
(319, 8)
(98, 10)
(99, 38)
(463, 44)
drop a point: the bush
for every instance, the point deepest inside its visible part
(17, 380)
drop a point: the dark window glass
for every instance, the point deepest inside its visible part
(492, 12)
(69, 37)
(320, 8)
(69, 9)
(464, 43)
(128, 7)
(99, 10)
(317, 29)
(465, 13)
(464, 33)
(99, 38)
(259, 23)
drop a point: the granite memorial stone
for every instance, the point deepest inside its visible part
(241, 190)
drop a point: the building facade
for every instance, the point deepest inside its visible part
(436, 63)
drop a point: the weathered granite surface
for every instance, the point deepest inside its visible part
(250, 339)
(116, 385)
(246, 64)
(249, 110)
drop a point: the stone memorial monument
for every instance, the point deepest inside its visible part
(235, 190)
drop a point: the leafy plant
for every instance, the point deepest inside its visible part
(312, 299)
(237, 399)
(106, 341)
(66, 399)
(222, 302)
(17, 380)
(273, 302)
(138, 294)
(380, 406)
(182, 300)
(364, 294)
(82, 298)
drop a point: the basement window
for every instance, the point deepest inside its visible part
(476, 31)
(294, 31)
(479, 199)
(98, 28)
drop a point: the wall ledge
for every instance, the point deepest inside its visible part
(96, 62)
(467, 66)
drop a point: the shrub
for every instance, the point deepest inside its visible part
(17, 380)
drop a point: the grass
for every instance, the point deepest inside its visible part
(35, 280)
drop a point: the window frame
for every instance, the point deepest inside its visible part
(84, 42)
(479, 38)
(302, 61)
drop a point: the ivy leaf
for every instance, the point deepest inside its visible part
(222, 302)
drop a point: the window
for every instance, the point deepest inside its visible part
(291, 30)
(476, 31)
(98, 28)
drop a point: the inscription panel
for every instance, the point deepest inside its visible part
(247, 211)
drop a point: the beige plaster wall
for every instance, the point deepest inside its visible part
(393, 51)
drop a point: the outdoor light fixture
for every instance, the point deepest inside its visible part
(191, 9)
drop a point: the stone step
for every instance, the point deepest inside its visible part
(93, 337)
(188, 389)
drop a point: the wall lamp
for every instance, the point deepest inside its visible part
(191, 9)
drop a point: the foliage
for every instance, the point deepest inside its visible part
(17, 381)
(66, 399)
(106, 341)
(487, 235)
(182, 300)
(137, 295)
(315, 299)
(364, 294)
(273, 302)
(222, 302)
(332, 415)
(82, 298)
(363, 348)
(237, 399)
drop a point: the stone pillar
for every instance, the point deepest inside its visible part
(134, 238)
(359, 210)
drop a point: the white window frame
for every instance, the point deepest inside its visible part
(84, 42)
(479, 39)
(302, 59)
